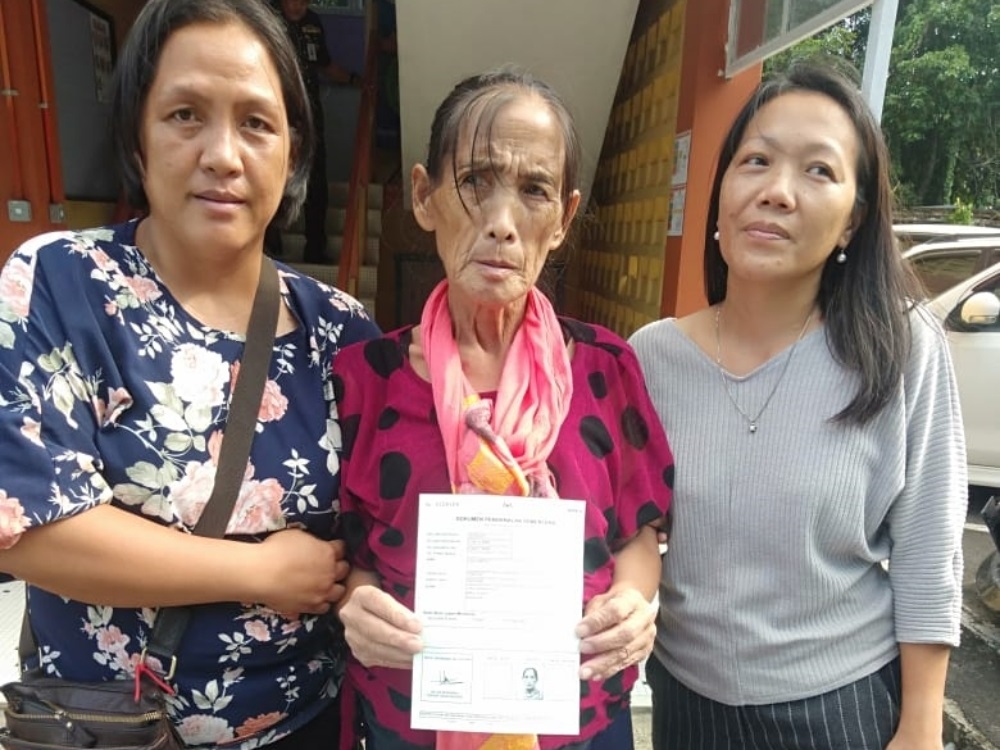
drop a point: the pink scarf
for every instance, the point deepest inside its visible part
(499, 448)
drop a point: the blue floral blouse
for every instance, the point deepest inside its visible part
(111, 393)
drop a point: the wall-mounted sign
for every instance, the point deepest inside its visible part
(675, 227)
(682, 157)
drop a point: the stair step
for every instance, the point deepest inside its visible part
(293, 243)
(336, 217)
(367, 277)
(338, 195)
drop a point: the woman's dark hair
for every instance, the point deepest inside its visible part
(138, 63)
(865, 301)
(478, 100)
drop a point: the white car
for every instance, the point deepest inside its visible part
(943, 263)
(970, 314)
(915, 234)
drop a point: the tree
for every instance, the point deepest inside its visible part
(942, 106)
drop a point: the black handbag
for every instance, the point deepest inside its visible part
(50, 713)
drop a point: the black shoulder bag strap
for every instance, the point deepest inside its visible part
(171, 622)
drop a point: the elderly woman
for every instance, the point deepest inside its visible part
(119, 348)
(566, 412)
(825, 399)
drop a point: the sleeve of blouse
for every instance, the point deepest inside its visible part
(357, 326)
(49, 465)
(646, 466)
(349, 392)
(927, 519)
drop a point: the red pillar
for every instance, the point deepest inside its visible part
(28, 159)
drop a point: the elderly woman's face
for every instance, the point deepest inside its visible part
(494, 246)
(215, 141)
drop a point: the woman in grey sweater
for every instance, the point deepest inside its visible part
(815, 424)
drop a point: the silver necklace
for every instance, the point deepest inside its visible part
(753, 421)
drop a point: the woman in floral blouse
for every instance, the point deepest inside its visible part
(119, 348)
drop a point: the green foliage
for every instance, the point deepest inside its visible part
(941, 115)
(961, 213)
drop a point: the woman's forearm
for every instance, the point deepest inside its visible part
(924, 669)
(637, 564)
(112, 557)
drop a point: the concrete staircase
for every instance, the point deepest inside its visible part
(293, 242)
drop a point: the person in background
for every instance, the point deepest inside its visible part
(306, 32)
(812, 587)
(119, 348)
(493, 385)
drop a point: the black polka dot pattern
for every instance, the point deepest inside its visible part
(613, 685)
(613, 349)
(401, 591)
(587, 715)
(578, 331)
(648, 513)
(394, 474)
(596, 437)
(668, 476)
(634, 428)
(349, 433)
(352, 529)
(596, 554)
(384, 356)
(338, 387)
(392, 538)
(598, 384)
(388, 418)
(400, 701)
(611, 535)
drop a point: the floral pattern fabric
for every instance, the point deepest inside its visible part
(110, 392)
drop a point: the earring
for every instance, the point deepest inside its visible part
(716, 235)
(841, 256)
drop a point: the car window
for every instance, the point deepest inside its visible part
(941, 271)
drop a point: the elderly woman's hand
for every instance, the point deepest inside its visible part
(380, 631)
(618, 630)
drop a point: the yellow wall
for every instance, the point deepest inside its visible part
(617, 279)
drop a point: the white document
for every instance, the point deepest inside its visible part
(499, 586)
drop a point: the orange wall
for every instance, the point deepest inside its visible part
(708, 104)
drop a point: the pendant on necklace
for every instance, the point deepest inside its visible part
(753, 427)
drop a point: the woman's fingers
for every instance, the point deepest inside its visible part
(300, 573)
(618, 630)
(379, 630)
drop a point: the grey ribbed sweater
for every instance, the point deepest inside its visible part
(772, 587)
